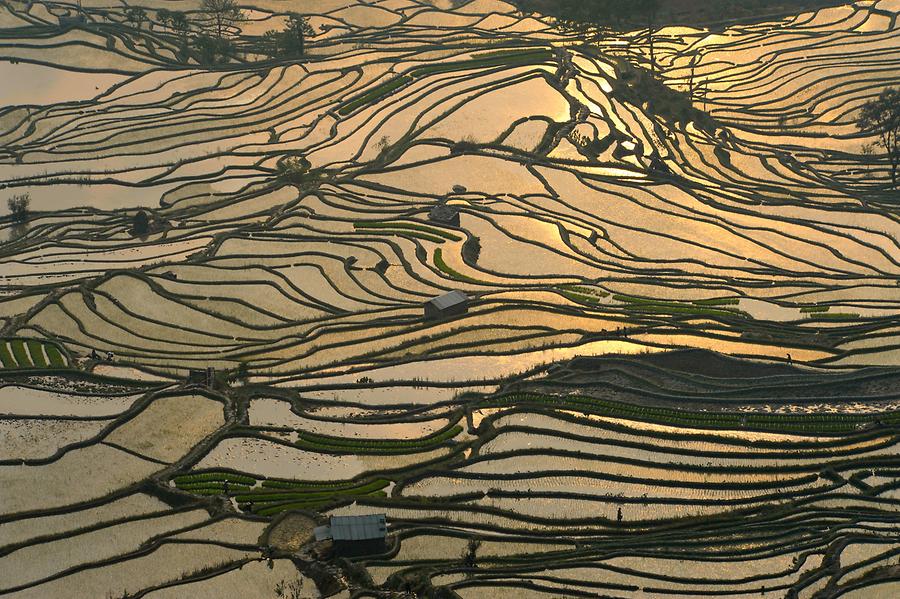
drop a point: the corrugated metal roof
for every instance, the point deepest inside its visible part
(454, 298)
(322, 532)
(358, 528)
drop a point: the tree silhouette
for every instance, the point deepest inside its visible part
(224, 15)
(881, 117)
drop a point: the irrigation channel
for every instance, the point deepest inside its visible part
(676, 373)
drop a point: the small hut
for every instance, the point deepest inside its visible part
(449, 304)
(355, 535)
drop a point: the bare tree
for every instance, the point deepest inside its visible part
(224, 15)
(881, 117)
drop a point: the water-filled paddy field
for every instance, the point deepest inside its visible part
(675, 376)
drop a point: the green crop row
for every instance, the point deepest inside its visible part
(201, 477)
(510, 59)
(29, 353)
(296, 484)
(348, 445)
(271, 503)
(5, 357)
(20, 353)
(580, 298)
(373, 94)
(411, 226)
(218, 486)
(444, 268)
(268, 496)
(582, 290)
(836, 423)
(718, 301)
(56, 358)
(407, 233)
(580, 294)
(835, 316)
(666, 307)
(273, 509)
(35, 348)
(811, 309)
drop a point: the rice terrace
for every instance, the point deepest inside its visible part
(449, 299)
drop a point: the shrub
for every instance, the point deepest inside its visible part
(295, 170)
(19, 207)
(471, 249)
(140, 223)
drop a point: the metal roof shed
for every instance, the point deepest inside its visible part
(358, 528)
(449, 304)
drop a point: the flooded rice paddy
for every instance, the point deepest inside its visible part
(675, 374)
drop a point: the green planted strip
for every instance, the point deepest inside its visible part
(270, 509)
(296, 484)
(5, 356)
(374, 94)
(310, 494)
(20, 354)
(57, 360)
(37, 354)
(503, 59)
(445, 268)
(510, 59)
(29, 353)
(267, 503)
(814, 309)
(345, 445)
(579, 297)
(582, 290)
(407, 226)
(718, 301)
(406, 233)
(835, 316)
(638, 304)
(218, 486)
(205, 477)
(794, 423)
